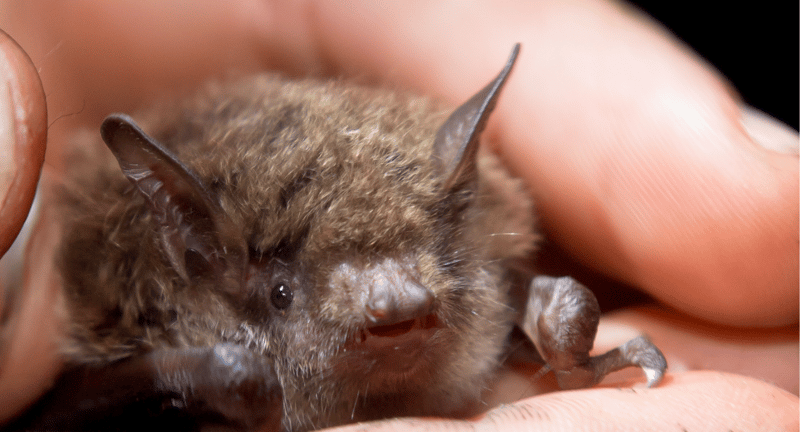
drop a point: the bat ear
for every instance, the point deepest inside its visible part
(195, 232)
(456, 144)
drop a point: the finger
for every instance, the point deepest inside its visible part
(27, 354)
(689, 401)
(30, 357)
(23, 134)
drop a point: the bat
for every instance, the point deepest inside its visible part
(290, 255)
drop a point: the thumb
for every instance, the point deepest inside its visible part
(26, 355)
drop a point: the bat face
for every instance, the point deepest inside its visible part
(353, 236)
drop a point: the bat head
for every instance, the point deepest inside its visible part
(353, 235)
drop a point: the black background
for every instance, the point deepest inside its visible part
(754, 44)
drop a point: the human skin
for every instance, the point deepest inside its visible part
(634, 149)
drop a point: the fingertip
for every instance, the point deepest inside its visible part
(23, 137)
(753, 279)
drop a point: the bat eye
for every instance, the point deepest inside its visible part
(281, 296)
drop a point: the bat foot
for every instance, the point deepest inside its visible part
(561, 319)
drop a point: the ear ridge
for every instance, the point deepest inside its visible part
(189, 216)
(138, 154)
(456, 143)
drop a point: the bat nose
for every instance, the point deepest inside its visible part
(391, 303)
(394, 294)
(384, 292)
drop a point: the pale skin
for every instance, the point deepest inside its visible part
(635, 150)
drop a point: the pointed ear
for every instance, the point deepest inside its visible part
(456, 144)
(195, 232)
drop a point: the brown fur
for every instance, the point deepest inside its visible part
(344, 177)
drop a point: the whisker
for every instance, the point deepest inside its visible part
(506, 234)
(355, 403)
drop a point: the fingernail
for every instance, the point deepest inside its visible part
(769, 132)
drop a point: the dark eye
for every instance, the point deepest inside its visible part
(281, 296)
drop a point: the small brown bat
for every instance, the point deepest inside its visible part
(295, 255)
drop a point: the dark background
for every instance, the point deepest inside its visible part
(754, 44)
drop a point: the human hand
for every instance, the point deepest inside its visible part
(599, 97)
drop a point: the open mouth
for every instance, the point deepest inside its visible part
(407, 332)
(393, 330)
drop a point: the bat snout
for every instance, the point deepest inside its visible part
(392, 301)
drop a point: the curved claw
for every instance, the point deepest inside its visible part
(654, 376)
(641, 352)
(637, 352)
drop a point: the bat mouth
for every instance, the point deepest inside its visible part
(413, 332)
(402, 328)
(394, 353)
